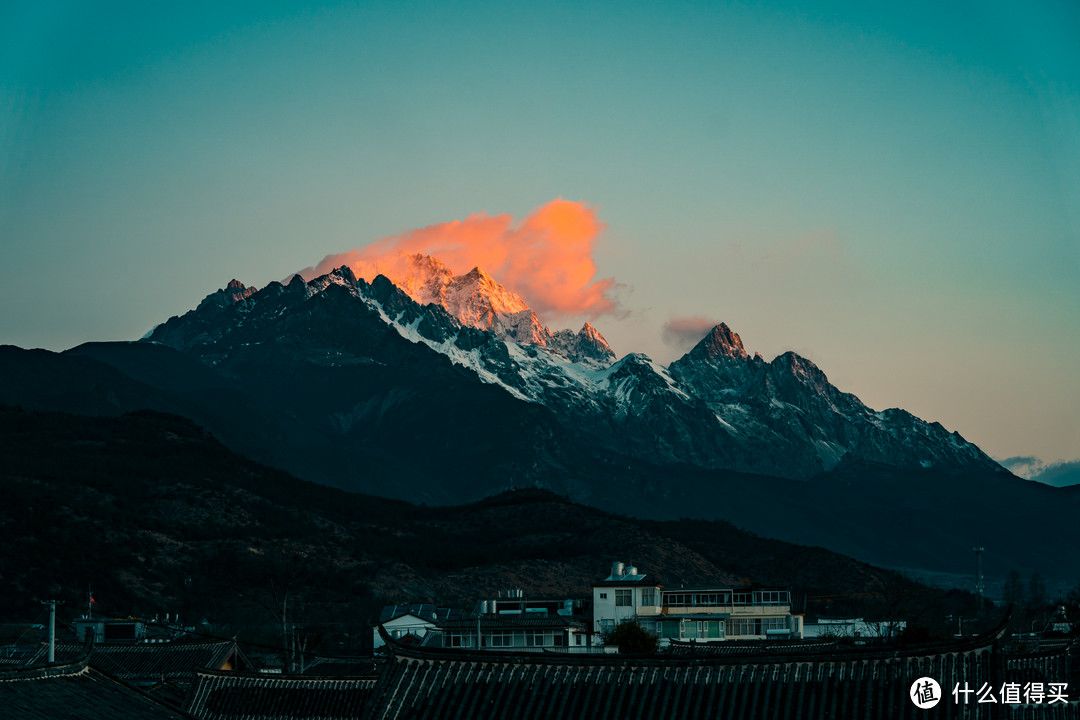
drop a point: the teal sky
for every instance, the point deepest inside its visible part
(890, 190)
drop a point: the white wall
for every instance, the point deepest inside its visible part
(401, 626)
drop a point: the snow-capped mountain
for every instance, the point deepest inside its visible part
(716, 407)
(789, 406)
(477, 300)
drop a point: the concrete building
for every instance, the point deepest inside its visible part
(706, 613)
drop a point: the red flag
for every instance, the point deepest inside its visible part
(92, 600)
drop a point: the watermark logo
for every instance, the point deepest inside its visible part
(925, 693)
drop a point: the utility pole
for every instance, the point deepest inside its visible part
(52, 626)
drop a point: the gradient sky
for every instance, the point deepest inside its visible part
(892, 191)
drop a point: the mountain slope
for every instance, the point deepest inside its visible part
(790, 405)
(357, 386)
(927, 518)
(159, 516)
(715, 407)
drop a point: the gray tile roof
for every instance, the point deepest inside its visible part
(758, 649)
(424, 611)
(248, 696)
(148, 662)
(75, 691)
(423, 684)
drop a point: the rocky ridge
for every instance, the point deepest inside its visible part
(716, 407)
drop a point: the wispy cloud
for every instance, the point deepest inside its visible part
(682, 333)
(1058, 474)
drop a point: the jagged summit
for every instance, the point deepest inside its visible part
(475, 298)
(232, 293)
(478, 300)
(721, 342)
(716, 407)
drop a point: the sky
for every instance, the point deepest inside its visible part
(892, 191)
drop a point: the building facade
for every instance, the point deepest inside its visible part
(702, 614)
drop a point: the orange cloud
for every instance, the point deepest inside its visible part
(546, 257)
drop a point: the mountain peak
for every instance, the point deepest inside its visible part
(587, 345)
(587, 330)
(232, 293)
(721, 342)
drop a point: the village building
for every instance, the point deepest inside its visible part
(514, 632)
(702, 613)
(416, 620)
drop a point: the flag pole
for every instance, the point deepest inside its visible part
(89, 601)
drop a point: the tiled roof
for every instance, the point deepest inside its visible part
(148, 662)
(341, 666)
(758, 649)
(425, 684)
(75, 691)
(434, 638)
(247, 696)
(424, 611)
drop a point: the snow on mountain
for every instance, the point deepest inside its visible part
(791, 403)
(477, 300)
(717, 406)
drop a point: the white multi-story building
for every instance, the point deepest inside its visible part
(707, 613)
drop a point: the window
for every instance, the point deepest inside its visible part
(460, 640)
(499, 639)
(603, 596)
(624, 598)
(539, 638)
(676, 599)
(755, 626)
(700, 599)
(774, 623)
(607, 626)
(648, 597)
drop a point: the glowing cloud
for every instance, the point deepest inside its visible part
(545, 257)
